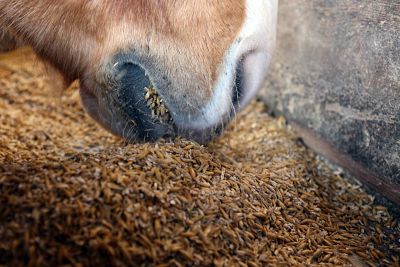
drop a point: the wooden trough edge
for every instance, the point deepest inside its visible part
(383, 186)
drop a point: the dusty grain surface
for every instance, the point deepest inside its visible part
(72, 194)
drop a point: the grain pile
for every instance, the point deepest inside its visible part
(72, 194)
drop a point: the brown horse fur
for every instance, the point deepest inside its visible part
(73, 35)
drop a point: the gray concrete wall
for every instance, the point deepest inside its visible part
(337, 72)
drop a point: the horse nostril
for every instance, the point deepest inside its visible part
(133, 80)
(138, 99)
(238, 86)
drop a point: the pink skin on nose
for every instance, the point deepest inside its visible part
(255, 66)
(259, 36)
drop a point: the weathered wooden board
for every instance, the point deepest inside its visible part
(337, 72)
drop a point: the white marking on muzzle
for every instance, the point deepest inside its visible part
(258, 36)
